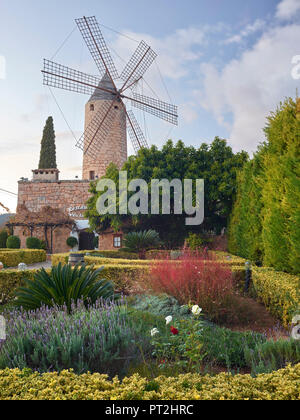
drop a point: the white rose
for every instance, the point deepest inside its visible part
(169, 319)
(196, 310)
(154, 332)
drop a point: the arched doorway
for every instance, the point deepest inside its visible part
(86, 241)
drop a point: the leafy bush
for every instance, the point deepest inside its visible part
(194, 241)
(193, 280)
(33, 243)
(272, 355)
(64, 286)
(72, 242)
(122, 276)
(141, 242)
(161, 305)
(225, 347)
(102, 338)
(13, 242)
(280, 385)
(3, 238)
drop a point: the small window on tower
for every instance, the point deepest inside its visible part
(92, 107)
(92, 175)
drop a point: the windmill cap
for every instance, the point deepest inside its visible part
(100, 95)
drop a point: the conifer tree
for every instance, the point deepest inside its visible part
(48, 148)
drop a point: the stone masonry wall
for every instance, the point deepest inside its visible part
(114, 149)
(57, 194)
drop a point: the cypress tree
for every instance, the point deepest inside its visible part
(48, 148)
(265, 222)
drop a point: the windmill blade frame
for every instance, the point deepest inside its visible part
(58, 76)
(160, 109)
(100, 125)
(136, 134)
(137, 66)
(92, 35)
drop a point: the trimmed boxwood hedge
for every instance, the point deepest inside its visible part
(123, 277)
(26, 385)
(12, 258)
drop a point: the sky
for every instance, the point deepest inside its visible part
(226, 64)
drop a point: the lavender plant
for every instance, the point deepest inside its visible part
(99, 338)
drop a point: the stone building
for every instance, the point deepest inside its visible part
(70, 196)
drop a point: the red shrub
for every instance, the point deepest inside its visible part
(195, 280)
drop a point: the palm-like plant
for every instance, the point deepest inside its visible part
(64, 285)
(141, 242)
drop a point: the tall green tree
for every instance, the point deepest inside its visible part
(48, 148)
(215, 163)
(265, 222)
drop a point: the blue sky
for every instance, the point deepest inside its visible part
(226, 63)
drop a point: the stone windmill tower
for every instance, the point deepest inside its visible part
(107, 118)
(115, 148)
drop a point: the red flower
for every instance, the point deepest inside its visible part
(174, 331)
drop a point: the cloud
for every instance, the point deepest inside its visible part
(250, 29)
(287, 9)
(248, 88)
(175, 51)
(188, 112)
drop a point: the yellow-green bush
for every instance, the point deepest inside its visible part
(24, 385)
(233, 260)
(12, 258)
(10, 280)
(123, 277)
(112, 261)
(60, 258)
(280, 292)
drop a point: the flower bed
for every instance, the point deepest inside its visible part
(25, 385)
(12, 258)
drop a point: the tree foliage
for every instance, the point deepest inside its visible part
(48, 148)
(215, 163)
(265, 223)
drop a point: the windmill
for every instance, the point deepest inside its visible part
(98, 130)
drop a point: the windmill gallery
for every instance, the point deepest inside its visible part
(107, 121)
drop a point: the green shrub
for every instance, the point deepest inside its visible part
(64, 286)
(3, 238)
(141, 242)
(13, 242)
(72, 242)
(272, 355)
(122, 276)
(162, 305)
(33, 243)
(194, 241)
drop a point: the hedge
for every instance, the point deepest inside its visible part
(280, 292)
(15, 384)
(123, 277)
(12, 258)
